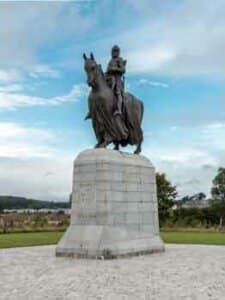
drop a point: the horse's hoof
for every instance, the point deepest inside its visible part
(102, 145)
(116, 147)
(137, 151)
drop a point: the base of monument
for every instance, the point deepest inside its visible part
(114, 207)
(105, 242)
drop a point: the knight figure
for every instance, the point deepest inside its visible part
(115, 77)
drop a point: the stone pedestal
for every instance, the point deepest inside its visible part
(114, 207)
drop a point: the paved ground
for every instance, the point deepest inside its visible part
(182, 272)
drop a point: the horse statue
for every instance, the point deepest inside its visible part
(121, 129)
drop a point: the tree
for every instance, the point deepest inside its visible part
(184, 200)
(197, 200)
(70, 200)
(218, 194)
(39, 220)
(166, 196)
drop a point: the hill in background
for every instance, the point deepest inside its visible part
(12, 202)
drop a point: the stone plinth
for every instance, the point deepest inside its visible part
(114, 206)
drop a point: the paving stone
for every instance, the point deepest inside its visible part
(181, 272)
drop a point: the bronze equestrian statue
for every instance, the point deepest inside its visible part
(116, 115)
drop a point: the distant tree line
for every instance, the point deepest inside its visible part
(12, 202)
(187, 212)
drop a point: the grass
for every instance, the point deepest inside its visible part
(48, 238)
(204, 238)
(10, 240)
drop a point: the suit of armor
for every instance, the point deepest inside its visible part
(115, 72)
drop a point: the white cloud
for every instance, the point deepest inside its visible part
(10, 100)
(149, 59)
(27, 26)
(11, 88)
(214, 134)
(189, 155)
(214, 126)
(145, 81)
(183, 38)
(187, 39)
(7, 76)
(12, 76)
(41, 178)
(20, 149)
(31, 165)
(37, 71)
(15, 130)
(141, 6)
(24, 142)
(186, 156)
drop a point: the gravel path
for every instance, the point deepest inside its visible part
(182, 272)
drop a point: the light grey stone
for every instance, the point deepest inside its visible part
(132, 207)
(118, 207)
(132, 196)
(116, 196)
(114, 206)
(145, 207)
(182, 272)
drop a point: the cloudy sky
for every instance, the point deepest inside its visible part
(176, 64)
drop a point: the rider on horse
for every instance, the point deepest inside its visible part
(103, 105)
(115, 77)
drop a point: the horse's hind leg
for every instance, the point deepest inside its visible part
(117, 146)
(138, 149)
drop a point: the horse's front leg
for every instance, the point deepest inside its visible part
(104, 144)
(99, 142)
(97, 145)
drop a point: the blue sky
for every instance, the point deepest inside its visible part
(175, 64)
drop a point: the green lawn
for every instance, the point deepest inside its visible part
(205, 238)
(29, 239)
(47, 238)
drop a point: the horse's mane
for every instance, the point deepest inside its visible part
(100, 70)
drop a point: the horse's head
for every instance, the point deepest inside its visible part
(91, 69)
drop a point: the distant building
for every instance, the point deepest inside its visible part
(35, 211)
(198, 200)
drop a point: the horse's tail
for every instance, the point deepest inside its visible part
(134, 116)
(142, 111)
